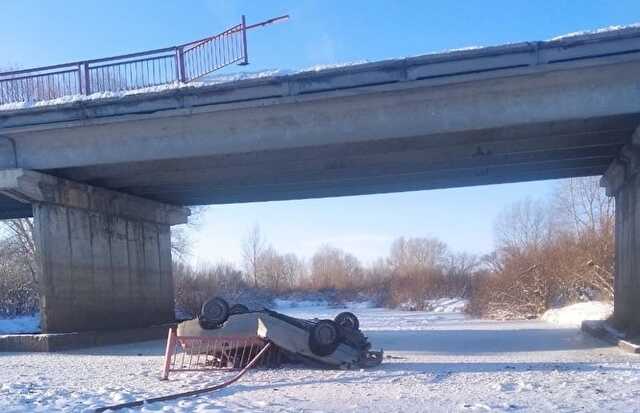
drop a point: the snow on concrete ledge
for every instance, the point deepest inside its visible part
(573, 315)
(599, 30)
(426, 58)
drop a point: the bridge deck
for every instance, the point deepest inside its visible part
(510, 113)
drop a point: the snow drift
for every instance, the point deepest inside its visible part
(573, 315)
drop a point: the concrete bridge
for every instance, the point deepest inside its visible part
(106, 178)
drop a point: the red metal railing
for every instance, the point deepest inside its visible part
(217, 353)
(183, 63)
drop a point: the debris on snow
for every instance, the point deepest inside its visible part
(573, 315)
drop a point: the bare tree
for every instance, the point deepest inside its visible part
(522, 226)
(20, 236)
(589, 215)
(583, 204)
(294, 270)
(552, 253)
(333, 268)
(273, 269)
(409, 254)
(181, 234)
(18, 268)
(253, 248)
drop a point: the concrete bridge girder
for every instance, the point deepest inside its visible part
(104, 257)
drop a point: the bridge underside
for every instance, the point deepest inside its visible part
(509, 154)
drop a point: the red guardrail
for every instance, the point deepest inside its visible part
(183, 63)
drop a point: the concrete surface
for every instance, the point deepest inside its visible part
(622, 181)
(44, 343)
(105, 258)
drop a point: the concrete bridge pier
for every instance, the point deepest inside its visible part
(104, 256)
(622, 181)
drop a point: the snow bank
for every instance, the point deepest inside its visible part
(22, 324)
(575, 314)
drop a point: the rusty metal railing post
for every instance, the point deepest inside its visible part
(171, 347)
(193, 60)
(180, 66)
(244, 41)
(87, 79)
(79, 78)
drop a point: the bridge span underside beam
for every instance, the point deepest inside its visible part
(104, 257)
(622, 181)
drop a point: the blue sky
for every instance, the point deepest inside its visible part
(319, 32)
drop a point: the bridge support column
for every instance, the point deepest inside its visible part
(622, 181)
(104, 256)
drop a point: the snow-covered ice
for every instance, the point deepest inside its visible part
(436, 362)
(574, 314)
(21, 324)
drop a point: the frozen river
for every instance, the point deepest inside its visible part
(437, 361)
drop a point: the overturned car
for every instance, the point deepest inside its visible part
(337, 343)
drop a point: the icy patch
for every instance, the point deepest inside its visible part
(596, 31)
(438, 305)
(20, 325)
(447, 305)
(575, 314)
(281, 303)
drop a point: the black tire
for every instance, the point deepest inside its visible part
(324, 338)
(214, 311)
(348, 321)
(238, 309)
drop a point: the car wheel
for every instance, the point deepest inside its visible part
(324, 338)
(238, 309)
(215, 311)
(348, 321)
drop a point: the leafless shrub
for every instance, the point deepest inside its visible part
(194, 286)
(18, 268)
(549, 254)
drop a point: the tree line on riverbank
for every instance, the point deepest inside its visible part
(548, 253)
